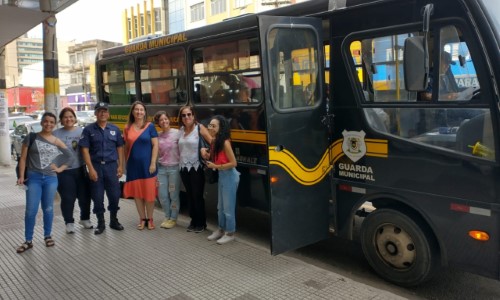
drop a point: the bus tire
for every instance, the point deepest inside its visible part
(397, 248)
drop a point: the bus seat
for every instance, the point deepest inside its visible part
(256, 94)
(377, 119)
(298, 96)
(221, 96)
(469, 133)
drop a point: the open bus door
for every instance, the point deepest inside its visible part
(296, 104)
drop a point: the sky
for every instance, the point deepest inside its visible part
(88, 20)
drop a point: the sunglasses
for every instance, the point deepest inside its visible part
(186, 115)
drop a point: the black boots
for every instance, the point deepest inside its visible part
(114, 224)
(101, 225)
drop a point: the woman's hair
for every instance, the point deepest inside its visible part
(48, 114)
(223, 134)
(181, 121)
(131, 118)
(158, 115)
(64, 110)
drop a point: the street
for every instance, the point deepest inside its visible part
(346, 258)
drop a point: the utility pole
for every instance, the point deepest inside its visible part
(84, 85)
(4, 115)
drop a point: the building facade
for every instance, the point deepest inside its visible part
(153, 18)
(81, 90)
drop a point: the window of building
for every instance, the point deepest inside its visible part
(198, 12)
(136, 26)
(158, 19)
(240, 3)
(129, 27)
(89, 56)
(148, 22)
(142, 24)
(217, 6)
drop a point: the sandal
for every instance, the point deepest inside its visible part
(24, 246)
(49, 242)
(142, 224)
(151, 225)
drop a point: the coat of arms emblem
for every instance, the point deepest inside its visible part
(354, 145)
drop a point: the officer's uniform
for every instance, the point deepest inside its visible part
(102, 145)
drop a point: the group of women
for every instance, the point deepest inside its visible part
(54, 163)
(179, 157)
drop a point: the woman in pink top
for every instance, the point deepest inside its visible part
(229, 178)
(169, 178)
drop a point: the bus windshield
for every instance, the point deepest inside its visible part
(492, 6)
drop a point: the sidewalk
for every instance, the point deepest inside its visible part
(151, 264)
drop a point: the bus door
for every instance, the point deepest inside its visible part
(295, 103)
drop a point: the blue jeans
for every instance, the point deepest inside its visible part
(226, 205)
(41, 188)
(168, 190)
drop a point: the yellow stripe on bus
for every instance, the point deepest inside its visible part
(310, 176)
(248, 136)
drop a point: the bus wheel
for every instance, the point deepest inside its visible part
(397, 248)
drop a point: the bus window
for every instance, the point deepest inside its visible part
(227, 73)
(378, 64)
(457, 75)
(378, 67)
(163, 78)
(294, 63)
(118, 82)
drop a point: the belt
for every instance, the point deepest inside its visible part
(102, 162)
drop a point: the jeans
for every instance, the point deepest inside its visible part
(41, 188)
(226, 205)
(73, 184)
(168, 190)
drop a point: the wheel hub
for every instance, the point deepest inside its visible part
(395, 246)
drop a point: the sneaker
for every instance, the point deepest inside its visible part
(190, 228)
(199, 229)
(86, 224)
(165, 223)
(70, 228)
(225, 239)
(170, 224)
(215, 235)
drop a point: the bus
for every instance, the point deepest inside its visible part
(393, 119)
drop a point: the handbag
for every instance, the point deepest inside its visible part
(211, 175)
(32, 137)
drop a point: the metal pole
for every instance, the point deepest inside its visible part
(51, 66)
(4, 115)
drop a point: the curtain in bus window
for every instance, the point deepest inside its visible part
(227, 72)
(119, 76)
(294, 67)
(163, 78)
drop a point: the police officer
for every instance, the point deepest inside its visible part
(102, 149)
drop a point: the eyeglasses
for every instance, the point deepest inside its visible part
(186, 115)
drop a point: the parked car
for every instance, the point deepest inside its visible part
(18, 135)
(85, 117)
(18, 120)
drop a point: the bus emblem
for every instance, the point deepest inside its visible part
(354, 145)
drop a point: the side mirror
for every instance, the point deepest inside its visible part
(416, 64)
